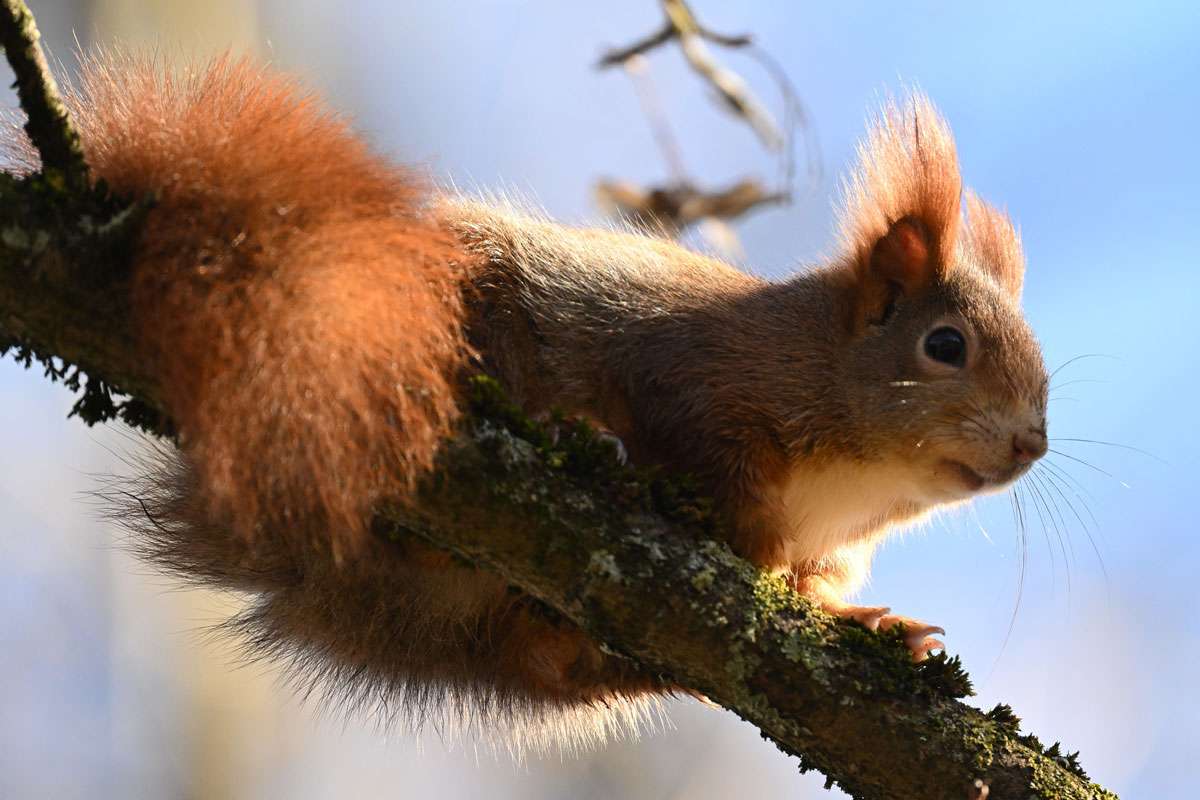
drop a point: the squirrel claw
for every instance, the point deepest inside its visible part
(867, 616)
(917, 635)
(932, 644)
(617, 445)
(554, 431)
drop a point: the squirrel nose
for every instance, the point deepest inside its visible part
(1028, 446)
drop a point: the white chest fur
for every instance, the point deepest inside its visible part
(841, 504)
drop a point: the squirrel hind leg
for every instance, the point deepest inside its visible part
(561, 662)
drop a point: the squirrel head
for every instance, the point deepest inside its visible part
(944, 376)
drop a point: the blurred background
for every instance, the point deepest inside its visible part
(1080, 118)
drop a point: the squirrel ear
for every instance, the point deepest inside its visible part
(994, 244)
(902, 205)
(904, 256)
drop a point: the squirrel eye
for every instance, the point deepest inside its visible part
(947, 345)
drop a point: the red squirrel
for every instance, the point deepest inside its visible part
(308, 310)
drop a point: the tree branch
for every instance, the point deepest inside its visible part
(671, 209)
(619, 55)
(629, 558)
(682, 24)
(48, 127)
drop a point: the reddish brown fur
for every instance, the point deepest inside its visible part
(993, 242)
(907, 168)
(298, 303)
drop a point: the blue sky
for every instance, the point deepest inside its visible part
(1080, 118)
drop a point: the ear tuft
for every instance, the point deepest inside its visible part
(901, 207)
(992, 241)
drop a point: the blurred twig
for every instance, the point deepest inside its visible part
(668, 210)
(671, 208)
(681, 24)
(48, 126)
(669, 31)
(638, 70)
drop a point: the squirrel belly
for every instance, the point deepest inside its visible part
(309, 310)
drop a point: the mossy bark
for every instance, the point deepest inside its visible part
(632, 558)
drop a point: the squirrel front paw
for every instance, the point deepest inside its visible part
(602, 434)
(918, 635)
(617, 445)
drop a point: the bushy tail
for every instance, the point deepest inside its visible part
(397, 633)
(297, 302)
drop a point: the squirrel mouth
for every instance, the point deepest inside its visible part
(971, 479)
(974, 481)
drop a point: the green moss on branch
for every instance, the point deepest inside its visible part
(63, 256)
